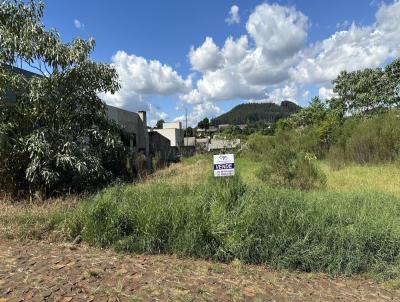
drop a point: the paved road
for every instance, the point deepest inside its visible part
(37, 271)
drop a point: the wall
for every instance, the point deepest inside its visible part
(134, 123)
(161, 145)
(174, 135)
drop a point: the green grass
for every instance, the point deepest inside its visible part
(226, 219)
(344, 229)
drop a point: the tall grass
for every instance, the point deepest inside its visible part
(224, 219)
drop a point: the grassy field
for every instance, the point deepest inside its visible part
(351, 227)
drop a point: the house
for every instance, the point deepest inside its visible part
(134, 124)
(189, 146)
(161, 146)
(172, 131)
(220, 144)
(202, 132)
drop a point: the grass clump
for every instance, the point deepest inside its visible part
(225, 219)
(289, 168)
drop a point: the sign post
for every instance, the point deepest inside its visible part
(224, 165)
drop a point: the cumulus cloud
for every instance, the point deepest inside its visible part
(240, 71)
(206, 57)
(78, 24)
(326, 93)
(140, 79)
(272, 61)
(199, 112)
(233, 15)
(279, 30)
(355, 48)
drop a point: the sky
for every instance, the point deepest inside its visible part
(205, 57)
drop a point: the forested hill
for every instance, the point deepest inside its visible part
(256, 112)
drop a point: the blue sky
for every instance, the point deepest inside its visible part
(208, 56)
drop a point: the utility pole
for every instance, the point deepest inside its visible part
(186, 127)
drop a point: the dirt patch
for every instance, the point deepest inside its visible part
(39, 271)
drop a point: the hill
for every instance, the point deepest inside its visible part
(256, 112)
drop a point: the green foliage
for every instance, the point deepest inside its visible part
(159, 124)
(259, 146)
(223, 219)
(291, 169)
(369, 90)
(56, 137)
(204, 124)
(368, 140)
(256, 112)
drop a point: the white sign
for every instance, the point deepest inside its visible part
(224, 165)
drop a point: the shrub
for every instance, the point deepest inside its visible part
(368, 140)
(288, 168)
(259, 146)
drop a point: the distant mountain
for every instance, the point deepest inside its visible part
(256, 112)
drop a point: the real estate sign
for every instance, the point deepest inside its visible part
(224, 165)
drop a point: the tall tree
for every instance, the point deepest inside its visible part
(57, 135)
(159, 124)
(368, 90)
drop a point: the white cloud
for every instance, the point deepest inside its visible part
(272, 60)
(241, 71)
(233, 15)
(357, 47)
(326, 93)
(279, 30)
(206, 57)
(199, 112)
(78, 24)
(140, 79)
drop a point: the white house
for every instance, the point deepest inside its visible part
(173, 132)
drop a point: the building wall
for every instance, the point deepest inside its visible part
(158, 144)
(173, 134)
(172, 125)
(133, 123)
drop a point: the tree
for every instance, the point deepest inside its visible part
(368, 90)
(57, 136)
(204, 124)
(159, 124)
(189, 132)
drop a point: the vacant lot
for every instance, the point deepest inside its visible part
(348, 230)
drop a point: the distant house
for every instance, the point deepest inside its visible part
(173, 132)
(161, 146)
(189, 146)
(201, 132)
(220, 144)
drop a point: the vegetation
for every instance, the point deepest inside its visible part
(287, 168)
(159, 124)
(56, 137)
(256, 112)
(342, 230)
(204, 124)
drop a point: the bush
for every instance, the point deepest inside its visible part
(288, 168)
(259, 146)
(368, 140)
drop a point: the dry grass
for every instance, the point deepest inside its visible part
(379, 178)
(35, 220)
(191, 171)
